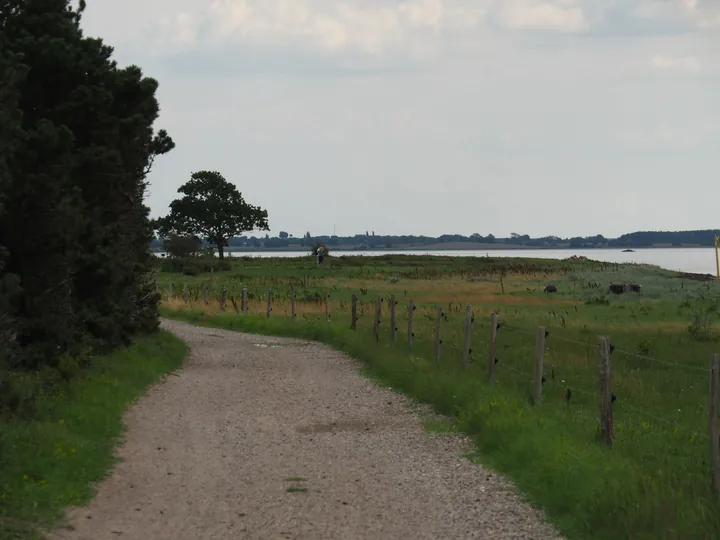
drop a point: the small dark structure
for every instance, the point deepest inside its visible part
(620, 288)
(550, 288)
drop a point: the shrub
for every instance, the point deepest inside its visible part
(182, 246)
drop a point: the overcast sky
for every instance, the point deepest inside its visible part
(564, 117)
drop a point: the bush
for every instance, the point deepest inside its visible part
(182, 246)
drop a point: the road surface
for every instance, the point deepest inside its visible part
(269, 438)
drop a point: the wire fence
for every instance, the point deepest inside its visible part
(538, 367)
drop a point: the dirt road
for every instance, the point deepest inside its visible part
(269, 438)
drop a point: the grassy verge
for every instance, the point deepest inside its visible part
(550, 452)
(50, 461)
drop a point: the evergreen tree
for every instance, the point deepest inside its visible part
(10, 75)
(75, 223)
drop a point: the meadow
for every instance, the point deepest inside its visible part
(653, 483)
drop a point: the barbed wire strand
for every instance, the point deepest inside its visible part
(552, 336)
(677, 365)
(663, 420)
(665, 362)
(623, 403)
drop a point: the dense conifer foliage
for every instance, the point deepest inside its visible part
(76, 146)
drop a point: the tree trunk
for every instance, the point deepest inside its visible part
(221, 249)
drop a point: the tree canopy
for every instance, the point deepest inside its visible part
(211, 208)
(76, 145)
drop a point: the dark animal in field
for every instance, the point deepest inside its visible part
(550, 288)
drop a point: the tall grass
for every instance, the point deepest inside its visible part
(654, 483)
(50, 460)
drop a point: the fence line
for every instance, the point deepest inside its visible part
(636, 355)
(657, 360)
(660, 419)
(536, 374)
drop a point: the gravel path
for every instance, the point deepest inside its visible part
(271, 438)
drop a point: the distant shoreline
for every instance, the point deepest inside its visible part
(451, 246)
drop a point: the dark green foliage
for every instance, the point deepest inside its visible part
(182, 246)
(650, 238)
(211, 208)
(11, 73)
(74, 156)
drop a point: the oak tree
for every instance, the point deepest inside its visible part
(211, 208)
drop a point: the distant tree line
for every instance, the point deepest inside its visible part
(76, 145)
(680, 238)
(372, 241)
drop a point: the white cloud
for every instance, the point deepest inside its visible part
(681, 64)
(327, 26)
(705, 13)
(372, 28)
(401, 29)
(181, 28)
(558, 15)
(425, 13)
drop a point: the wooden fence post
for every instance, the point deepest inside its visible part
(714, 435)
(234, 304)
(245, 300)
(468, 335)
(269, 304)
(292, 304)
(223, 297)
(538, 371)
(206, 295)
(438, 340)
(327, 307)
(606, 412)
(353, 313)
(378, 312)
(493, 343)
(411, 316)
(393, 318)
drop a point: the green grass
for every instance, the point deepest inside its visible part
(48, 462)
(655, 482)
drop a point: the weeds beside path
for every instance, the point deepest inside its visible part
(50, 460)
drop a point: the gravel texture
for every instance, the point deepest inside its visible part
(271, 438)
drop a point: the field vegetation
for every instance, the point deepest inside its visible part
(655, 481)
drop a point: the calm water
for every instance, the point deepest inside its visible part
(696, 260)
